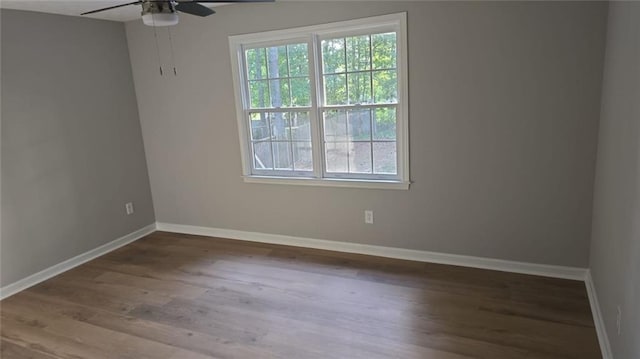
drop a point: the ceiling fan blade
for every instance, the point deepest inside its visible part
(194, 8)
(222, 1)
(111, 7)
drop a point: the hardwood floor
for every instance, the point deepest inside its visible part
(180, 296)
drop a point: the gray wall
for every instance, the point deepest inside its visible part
(504, 106)
(72, 151)
(615, 246)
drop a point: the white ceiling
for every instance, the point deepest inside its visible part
(76, 7)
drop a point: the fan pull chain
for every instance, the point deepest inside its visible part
(173, 57)
(155, 35)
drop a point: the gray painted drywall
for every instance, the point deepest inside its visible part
(504, 107)
(72, 152)
(615, 246)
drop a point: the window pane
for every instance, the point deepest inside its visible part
(300, 126)
(298, 60)
(262, 155)
(359, 125)
(358, 55)
(384, 50)
(384, 157)
(282, 156)
(335, 89)
(385, 86)
(300, 91)
(279, 126)
(303, 159)
(335, 125)
(283, 65)
(259, 126)
(333, 60)
(277, 62)
(384, 123)
(336, 155)
(256, 64)
(359, 88)
(279, 90)
(259, 93)
(360, 157)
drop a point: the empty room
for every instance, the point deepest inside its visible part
(288, 179)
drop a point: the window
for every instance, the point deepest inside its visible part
(324, 105)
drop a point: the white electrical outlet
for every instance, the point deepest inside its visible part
(368, 217)
(129, 208)
(619, 319)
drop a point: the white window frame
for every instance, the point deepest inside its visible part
(313, 35)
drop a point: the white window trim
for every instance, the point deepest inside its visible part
(237, 43)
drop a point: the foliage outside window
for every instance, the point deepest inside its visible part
(324, 103)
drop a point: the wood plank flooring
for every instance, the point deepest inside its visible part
(180, 296)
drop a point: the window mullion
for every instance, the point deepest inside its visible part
(286, 48)
(316, 99)
(347, 116)
(373, 98)
(346, 71)
(371, 112)
(273, 157)
(279, 109)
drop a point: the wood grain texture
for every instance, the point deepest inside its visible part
(183, 296)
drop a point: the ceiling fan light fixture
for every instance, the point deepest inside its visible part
(160, 19)
(164, 12)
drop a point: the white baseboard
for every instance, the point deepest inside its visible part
(390, 252)
(54, 270)
(598, 320)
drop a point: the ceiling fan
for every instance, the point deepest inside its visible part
(165, 12)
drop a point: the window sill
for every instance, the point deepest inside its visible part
(329, 182)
